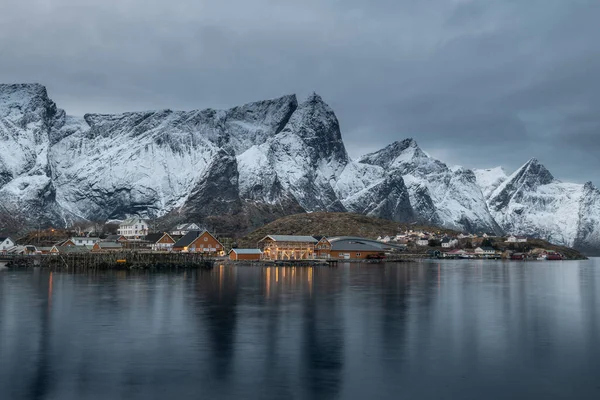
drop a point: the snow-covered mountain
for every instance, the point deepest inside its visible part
(271, 157)
(532, 202)
(250, 164)
(440, 195)
(489, 179)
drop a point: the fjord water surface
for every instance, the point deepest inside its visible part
(430, 330)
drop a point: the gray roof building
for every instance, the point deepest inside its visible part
(291, 238)
(246, 251)
(354, 246)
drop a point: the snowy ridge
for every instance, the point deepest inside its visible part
(440, 194)
(489, 179)
(532, 202)
(258, 161)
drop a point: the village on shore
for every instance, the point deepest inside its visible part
(135, 235)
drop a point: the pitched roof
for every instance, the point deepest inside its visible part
(132, 221)
(190, 237)
(113, 237)
(62, 242)
(291, 238)
(153, 237)
(187, 227)
(246, 251)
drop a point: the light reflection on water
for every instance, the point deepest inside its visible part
(433, 330)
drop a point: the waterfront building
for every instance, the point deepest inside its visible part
(6, 243)
(160, 241)
(323, 248)
(107, 247)
(288, 247)
(485, 251)
(199, 242)
(245, 254)
(133, 228)
(84, 241)
(115, 238)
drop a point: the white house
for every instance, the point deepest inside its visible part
(133, 228)
(422, 242)
(455, 253)
(485, 250)
(516, 239)
(449, 243)
(183, 229)
(5, 244)
(84, 241)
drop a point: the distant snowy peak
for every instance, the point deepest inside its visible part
(489, 179)
(395, 154)
(527, 178)
(438, 194)
(19, 100)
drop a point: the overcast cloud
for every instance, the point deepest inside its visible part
(476, 83)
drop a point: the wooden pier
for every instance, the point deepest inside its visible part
(117, 260)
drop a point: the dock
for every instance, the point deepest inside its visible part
(107, 261)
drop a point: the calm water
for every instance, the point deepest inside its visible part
(449, 330)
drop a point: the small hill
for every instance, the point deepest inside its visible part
(348, 224)
(533, 244)
(333, 224)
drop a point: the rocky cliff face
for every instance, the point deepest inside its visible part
(250, 164)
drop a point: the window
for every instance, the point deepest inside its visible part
(357, 254)
(206, 239)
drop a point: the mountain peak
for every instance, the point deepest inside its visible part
(526, 179)
(31, 95)
(314, 97)
(404, 144)
(395, 154)
(22, 87)
(534, 172)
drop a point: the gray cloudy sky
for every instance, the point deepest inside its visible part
(478, 83)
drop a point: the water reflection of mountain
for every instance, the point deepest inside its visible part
(427, 330)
